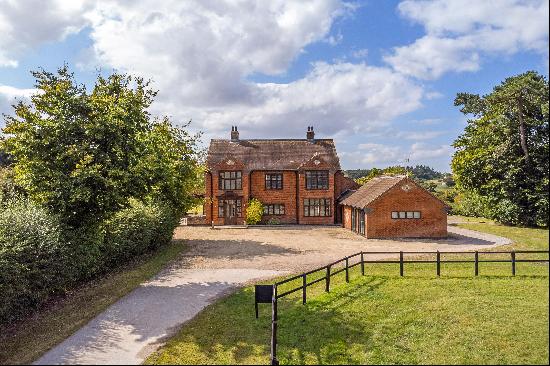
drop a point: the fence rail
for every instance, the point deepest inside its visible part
(402, 261)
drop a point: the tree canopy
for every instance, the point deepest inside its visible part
(502, 156)
(85, 154)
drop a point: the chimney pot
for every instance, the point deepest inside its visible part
(310, 135)
(234, 133)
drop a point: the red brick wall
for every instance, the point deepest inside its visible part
(433, 221)
(216, 192)
(315, 193)
(207, 197)
(342, 183)
(286, 196)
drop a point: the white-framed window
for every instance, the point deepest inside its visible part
(274, 209)
(406, 215)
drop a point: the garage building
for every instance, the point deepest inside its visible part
(394, 207)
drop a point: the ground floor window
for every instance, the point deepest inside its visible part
(274, 209)
(230, 208)
(317, 207)
(406, 215)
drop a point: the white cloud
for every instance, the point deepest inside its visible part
(9, 96)
(422, 151)
(361, 53)
(461, 32)
(372, 154)
(201, 55)
(369, 155)
(27, 24)
(335, 98)
(419, 135)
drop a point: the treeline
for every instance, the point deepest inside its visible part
(422, 172)
(89, 181)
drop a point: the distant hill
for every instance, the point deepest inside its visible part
(420, 172)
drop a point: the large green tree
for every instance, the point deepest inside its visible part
(85, 154)
(502, 156)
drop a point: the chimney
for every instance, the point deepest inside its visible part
(234, 133)
(310, 136)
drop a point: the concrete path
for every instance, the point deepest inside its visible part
(216, 262)
(131, 329)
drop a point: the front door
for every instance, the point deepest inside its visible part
(231, 211)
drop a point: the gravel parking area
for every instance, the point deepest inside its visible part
(298, 248)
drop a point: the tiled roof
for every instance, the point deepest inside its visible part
(371, 190)
(283, 154)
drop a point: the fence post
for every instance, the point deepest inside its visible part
(513, 254)
(347, 269)
(438, 265)
(362, 264)
(304, 287)
(327, 287)
(274, 360)
(476, 263)
(401, 263)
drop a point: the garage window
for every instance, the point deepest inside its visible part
(406, 215)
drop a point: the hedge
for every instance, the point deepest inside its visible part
(39, 257)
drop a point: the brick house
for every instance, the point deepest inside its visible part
(394, 206)
(299, 181)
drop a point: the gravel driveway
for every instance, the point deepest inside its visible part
(216, 262)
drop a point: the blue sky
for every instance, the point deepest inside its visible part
(377, 76)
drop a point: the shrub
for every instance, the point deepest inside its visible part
(472, 204)
(274, 221)
(33, 258)
(137, 229)
(40, 257)
(254, 212)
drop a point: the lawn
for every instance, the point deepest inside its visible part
(57, 320)
(383, 318)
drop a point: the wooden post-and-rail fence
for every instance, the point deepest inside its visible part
(269, 293)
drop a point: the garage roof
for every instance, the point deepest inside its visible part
(371, 190)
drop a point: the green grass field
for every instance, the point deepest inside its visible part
(382, 318)
(57, 320)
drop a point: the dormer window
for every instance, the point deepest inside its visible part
(230, 180)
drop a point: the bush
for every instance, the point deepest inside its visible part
(40, 257)
(136, 230)
(33, 258)
(472, 204)
(254, 212)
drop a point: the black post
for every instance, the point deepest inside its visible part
(438, 265)
(327, 287)
(274, 360)
(256, 306)
(304, 287)
(401, 264)
(513, 254)
(476, 263)
(362, 265)
(347, 270)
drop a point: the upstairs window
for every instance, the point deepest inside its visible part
(274, 181)
(406, 215)
(274, 209)
(317, 179)
(230, 180)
